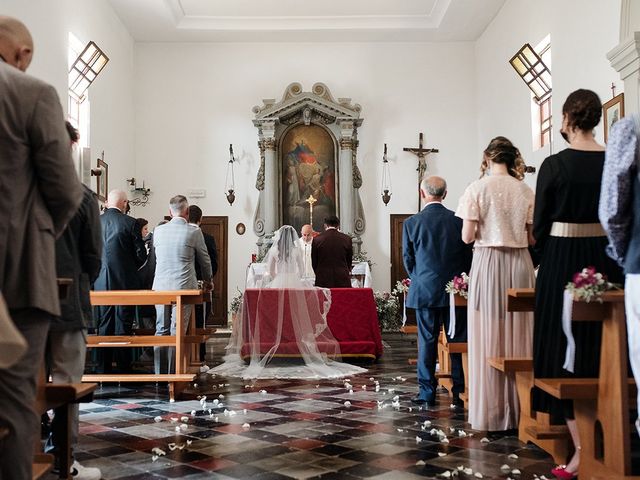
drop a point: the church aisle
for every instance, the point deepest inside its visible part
(291, 429)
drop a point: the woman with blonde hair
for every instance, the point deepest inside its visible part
(497, 213)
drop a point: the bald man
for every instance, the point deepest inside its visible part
(123, 254)
(433, 253)
(38, 176)
(306, 237)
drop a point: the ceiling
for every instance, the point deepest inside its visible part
(305, 21)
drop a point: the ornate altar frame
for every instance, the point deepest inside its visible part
(342, 119)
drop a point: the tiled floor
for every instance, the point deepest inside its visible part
(292, 429)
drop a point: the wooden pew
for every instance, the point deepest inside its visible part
(533, 426)
(601, 405)
(185, 366)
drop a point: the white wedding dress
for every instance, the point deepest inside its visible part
(307, 306)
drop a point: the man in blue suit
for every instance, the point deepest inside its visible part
(433, 253)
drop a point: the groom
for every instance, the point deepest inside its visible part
(331, 254)
(433, 253)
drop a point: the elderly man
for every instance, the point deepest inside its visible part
(433, 253)
(36, 174)
(123, 254)
(179, 246)
(306, 238)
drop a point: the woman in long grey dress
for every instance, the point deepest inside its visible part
(497, 213)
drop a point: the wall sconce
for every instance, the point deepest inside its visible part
(386, 178)
(141, 194)
(229, 185)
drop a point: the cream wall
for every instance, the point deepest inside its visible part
(582, 32)
(192, 100)
(111, 95)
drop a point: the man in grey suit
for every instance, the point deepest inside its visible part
(178, 246)
(37, 176)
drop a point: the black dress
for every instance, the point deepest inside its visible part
(568, 190)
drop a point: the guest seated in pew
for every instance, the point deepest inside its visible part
(620, 216)
(569, 237)
(497, 213)
(301, 314)
(40, 194)
(433, 253)
(178, 246)
(78, 256)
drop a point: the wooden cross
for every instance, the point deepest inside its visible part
(613, 89)
(421, 153)
(311, 200)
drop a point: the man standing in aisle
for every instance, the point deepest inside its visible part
(433, 253)
(37, 177)
(123, 254)
(179, 247)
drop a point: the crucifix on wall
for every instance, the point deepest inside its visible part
(421, 152)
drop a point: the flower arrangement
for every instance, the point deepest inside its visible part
(589, 285)
(402, 286)
(388, 308)
(459, 285)
(362, 256)
(236, 302)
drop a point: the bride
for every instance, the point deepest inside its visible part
(290, 317)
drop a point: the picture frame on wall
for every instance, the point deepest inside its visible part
(102, 188)
(612, 111)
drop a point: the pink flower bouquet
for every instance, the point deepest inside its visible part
(459, 285)
(589, 285)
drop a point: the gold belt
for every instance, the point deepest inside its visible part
(577, 230)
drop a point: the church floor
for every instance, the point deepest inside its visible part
(292, 429)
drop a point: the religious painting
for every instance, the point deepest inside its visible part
(612, 111)
(102, 179)
(308, 168)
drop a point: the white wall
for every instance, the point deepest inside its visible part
(192, 100)
(582, 32)
(111, 95)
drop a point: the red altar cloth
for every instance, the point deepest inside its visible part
(352, 319)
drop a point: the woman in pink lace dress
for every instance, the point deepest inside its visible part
(497, 213)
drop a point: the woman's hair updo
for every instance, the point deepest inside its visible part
(501, 150)
(583, 110)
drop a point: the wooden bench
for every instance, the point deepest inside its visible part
(42, 464)
(186, 364)
(601, 405)
(534, 427)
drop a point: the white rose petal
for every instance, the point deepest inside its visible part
(468, 471)
(446, 474)
(484, 440)
(177, 429)
(513, 456)
(204, 368)
(158, 451)
(172, 446)
(427, 423)
(515, 471)
(189, 442)
(184, 419)
(174, 419)
(246, 426)
(462, 433)
(400, 429)
(347, 403)
(418, 439)
(478, 475)
(154, 458)
(263, 392)
(157, 419)
(193, 413)
(452, 429)
(371, 379)
(195, 385)
(420, 462)
(444, 440)
(505, 468)
(364, 387)
(184, 426)
(442, 454)
(172, 400)
(350, 392)
(221, 396)
(396, 398)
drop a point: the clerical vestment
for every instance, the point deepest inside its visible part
(308, 269)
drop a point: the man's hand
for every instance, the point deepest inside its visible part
(207, 286)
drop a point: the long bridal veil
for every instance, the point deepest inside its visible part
(281, 330)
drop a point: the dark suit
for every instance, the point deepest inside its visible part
(205, 309)
(433, 253)
(40, 194)
(123, 254)
(331, 254)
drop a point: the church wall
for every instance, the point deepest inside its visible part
(192, 100)
(582, 32)
(111, 95)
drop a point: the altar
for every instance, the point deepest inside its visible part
(360, 276)
(352, 318)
